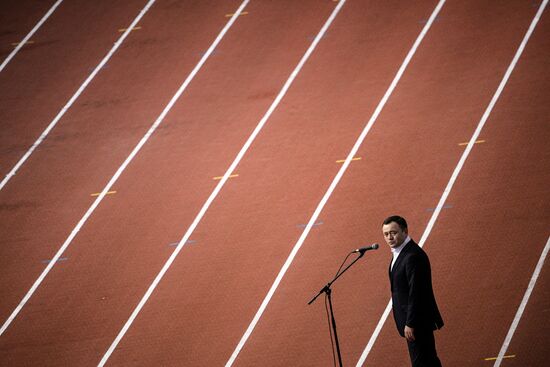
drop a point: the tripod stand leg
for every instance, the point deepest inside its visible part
(333, 322)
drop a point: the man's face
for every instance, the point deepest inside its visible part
(393, 234)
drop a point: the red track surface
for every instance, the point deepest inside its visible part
(483, 248)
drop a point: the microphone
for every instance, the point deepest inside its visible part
(362, 250)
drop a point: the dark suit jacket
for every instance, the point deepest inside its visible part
(412, 293)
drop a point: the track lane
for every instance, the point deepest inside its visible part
(422, 97)
(26, 40)
(49, 71)
(187, 143)
(528, 105)
(17, 18)
(526, 346)
(537, 355)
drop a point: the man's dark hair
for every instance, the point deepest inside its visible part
(397, 219)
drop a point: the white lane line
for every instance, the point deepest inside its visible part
(75, 96)
(333, 185)
(226, 176)
(458, 168)
(523, 304)
(121, 169)
(29, 35)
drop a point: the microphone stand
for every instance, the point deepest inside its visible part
(326, 289)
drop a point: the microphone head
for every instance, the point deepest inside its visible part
(362, 250)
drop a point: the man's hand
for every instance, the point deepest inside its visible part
(409, 333)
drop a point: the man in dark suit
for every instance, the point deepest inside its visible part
(414, 307)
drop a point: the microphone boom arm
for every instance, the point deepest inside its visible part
(338, 275)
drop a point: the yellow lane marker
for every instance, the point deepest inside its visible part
(220, 177)
(495, 358)
(133, 29)
(230, 15)
(108, 193)
(26, 43)
(476, 142)
(353, 159)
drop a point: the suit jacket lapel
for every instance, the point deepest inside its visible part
(401, 256)
(389, 273)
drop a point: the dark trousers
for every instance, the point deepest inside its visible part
(422, 349)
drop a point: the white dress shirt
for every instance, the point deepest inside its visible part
(397, 250)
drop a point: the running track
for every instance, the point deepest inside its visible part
(484, 245)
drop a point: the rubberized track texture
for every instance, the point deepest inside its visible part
(181, 177)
